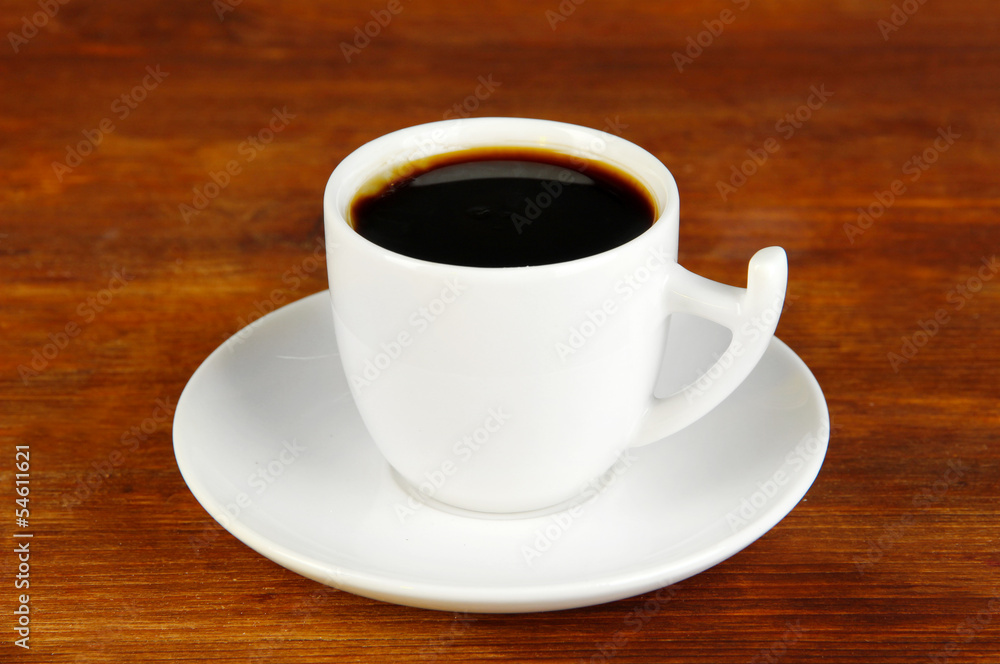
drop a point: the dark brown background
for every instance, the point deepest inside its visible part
(890, 559)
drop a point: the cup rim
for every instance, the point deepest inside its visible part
(382, 154)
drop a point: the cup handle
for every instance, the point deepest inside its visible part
(751, 314)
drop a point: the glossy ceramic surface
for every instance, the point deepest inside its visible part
(268, 439)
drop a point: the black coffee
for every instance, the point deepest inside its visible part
(504, 207)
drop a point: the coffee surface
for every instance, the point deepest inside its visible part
(504, 208)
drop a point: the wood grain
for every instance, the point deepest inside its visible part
(889, 559)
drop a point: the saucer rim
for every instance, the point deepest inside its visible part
(481, 598)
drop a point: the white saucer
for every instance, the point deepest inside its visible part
(267, 438)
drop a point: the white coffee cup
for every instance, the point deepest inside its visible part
(510, 390)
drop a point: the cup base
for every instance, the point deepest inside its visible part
(436, 504)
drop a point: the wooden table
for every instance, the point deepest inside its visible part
(869, 143)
